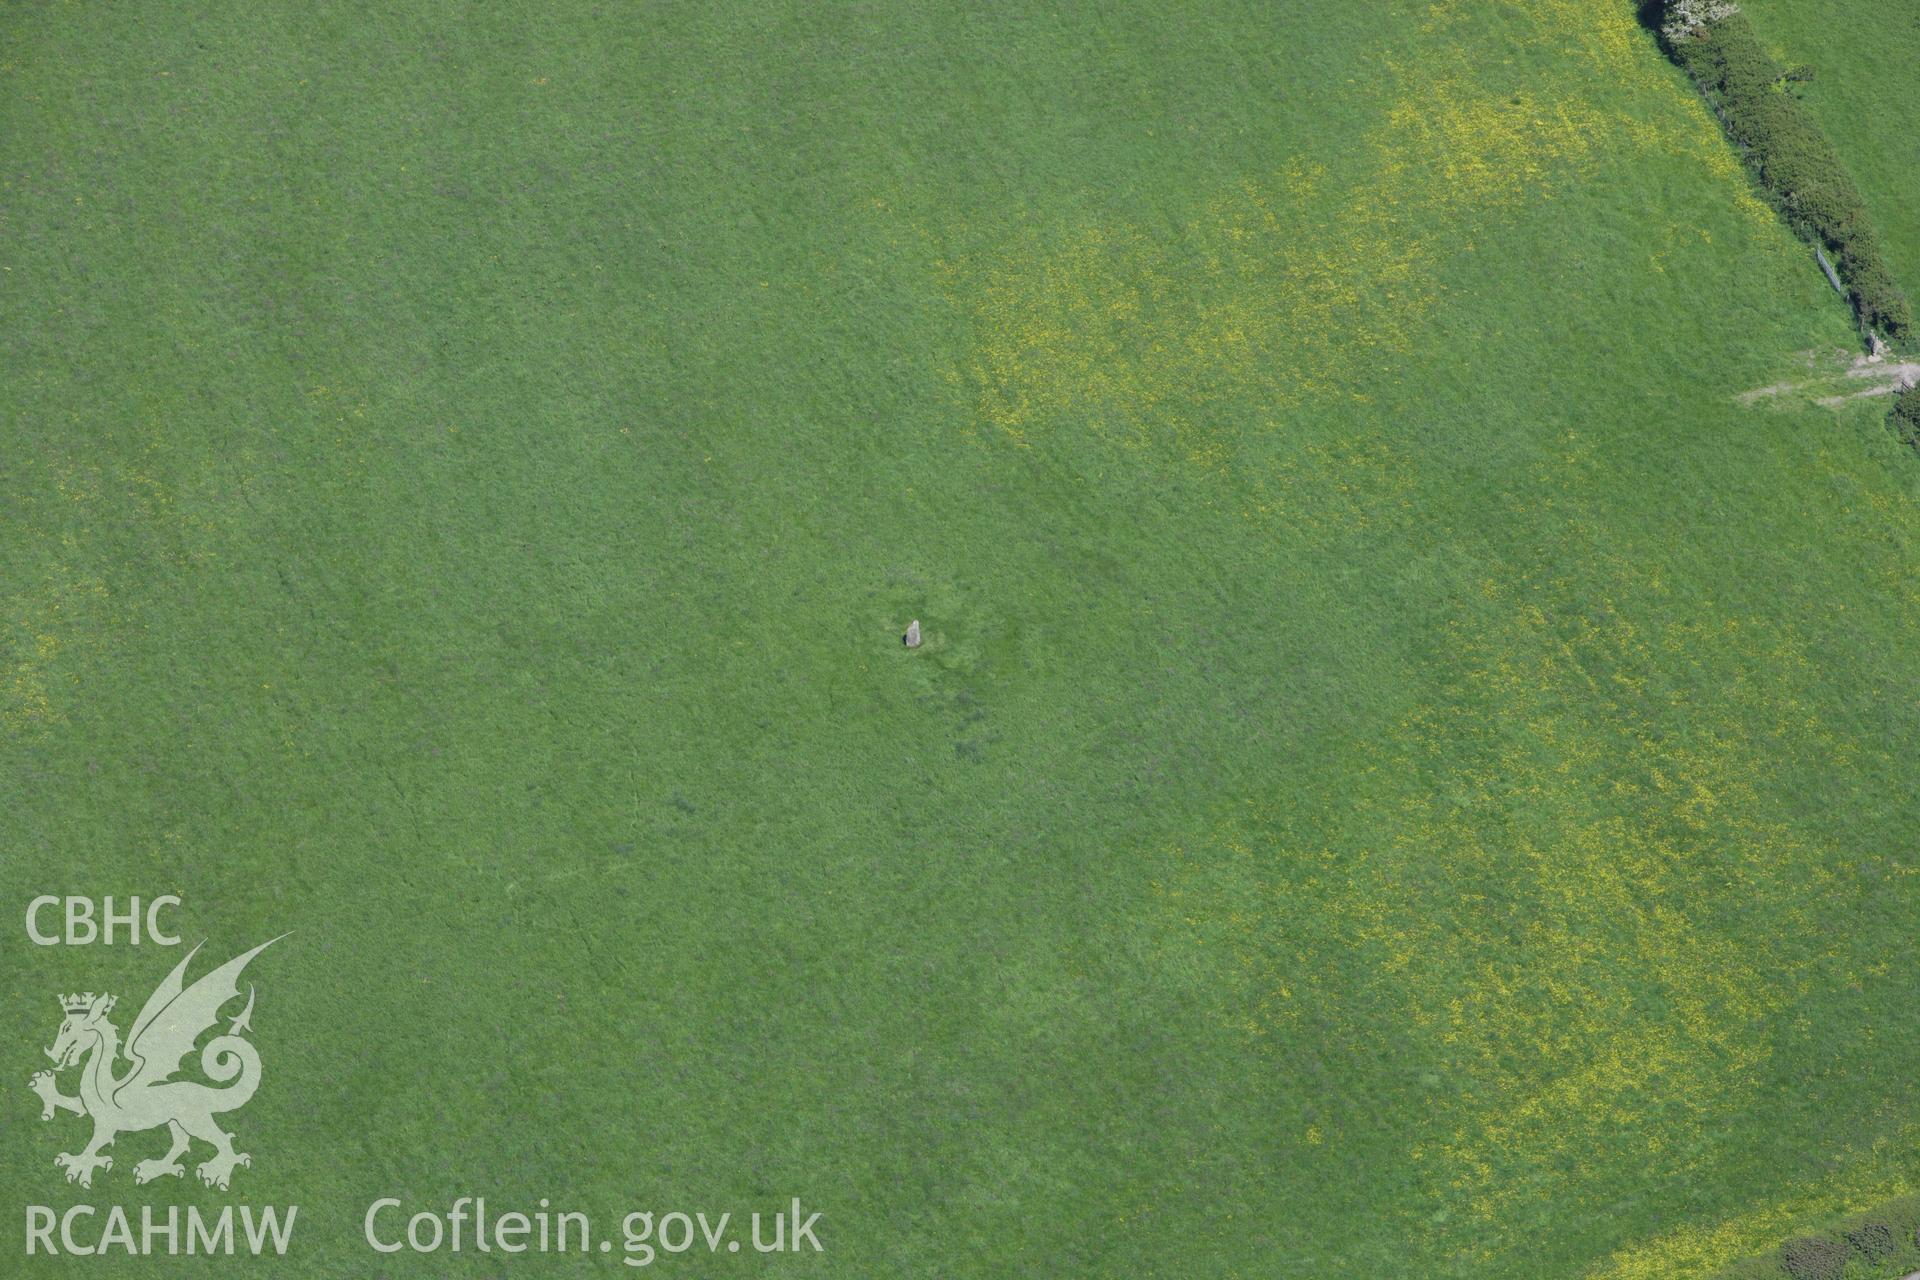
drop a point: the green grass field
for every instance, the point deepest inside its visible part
(1408, 774)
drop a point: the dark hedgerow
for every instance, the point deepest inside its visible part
(1814, 1258)
(1881, 1245)
(1873, 1241)
(1795, 163)
(1906, 423)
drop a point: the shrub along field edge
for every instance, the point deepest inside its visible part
(1792, 159)
(1883, 1242)
(1905, 415)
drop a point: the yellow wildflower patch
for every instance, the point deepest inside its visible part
(1289, 288)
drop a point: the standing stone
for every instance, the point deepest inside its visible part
(1876, 346)
(912, 638)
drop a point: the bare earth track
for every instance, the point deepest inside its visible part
(1842, 383)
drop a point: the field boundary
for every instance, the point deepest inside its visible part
(1788, 154)
(1882, 1243)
